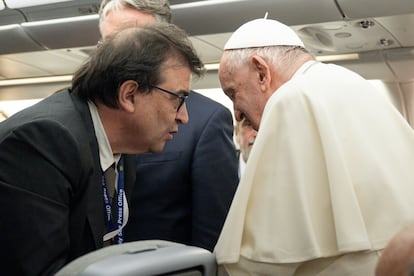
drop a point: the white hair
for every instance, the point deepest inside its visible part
(279, 56)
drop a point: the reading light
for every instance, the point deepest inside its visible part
(353, 56)
(15, 4)
(212, 66)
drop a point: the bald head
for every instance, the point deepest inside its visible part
(397, 258)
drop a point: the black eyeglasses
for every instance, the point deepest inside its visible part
(182, 98)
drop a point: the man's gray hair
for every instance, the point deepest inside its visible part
(160, 9)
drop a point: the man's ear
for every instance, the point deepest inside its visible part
(127, 95)
(263, 71)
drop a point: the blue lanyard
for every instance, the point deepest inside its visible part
(119, 202)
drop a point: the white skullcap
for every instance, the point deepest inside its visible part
(263, 32)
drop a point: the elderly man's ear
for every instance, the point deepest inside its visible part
(127, 95)
(263, 71)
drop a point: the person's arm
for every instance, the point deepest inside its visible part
(214, 178)
(39, 162)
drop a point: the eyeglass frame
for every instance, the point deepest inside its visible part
(181, 97)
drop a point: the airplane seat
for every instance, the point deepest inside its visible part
(142, 258)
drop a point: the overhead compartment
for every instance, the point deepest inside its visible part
(34, 29)
(8, 17)
(227, 16)
(80, 27)
(59, 10)
(14, 40)
(65, 33)
(375, 8)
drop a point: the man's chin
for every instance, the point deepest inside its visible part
(157, 148)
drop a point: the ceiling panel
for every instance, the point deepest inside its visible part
(59, 62)
(365, 66)
(371, 8)
(401, 27)
(346, 36)
(33, 91)
(11, 68)
(401, 62)
(210, 47)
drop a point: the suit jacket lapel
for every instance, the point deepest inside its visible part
(130, 174)
(95, 213)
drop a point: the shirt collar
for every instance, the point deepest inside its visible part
(304, 68)
(107, 158)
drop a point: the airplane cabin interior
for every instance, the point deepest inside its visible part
(43, 42)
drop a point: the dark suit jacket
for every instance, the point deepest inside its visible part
(183, 194)
(51, 198)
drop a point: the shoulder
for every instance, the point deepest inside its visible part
(197, 100)
(50, 120)
(202, 108)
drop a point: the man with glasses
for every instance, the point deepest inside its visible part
(181, 98)
(182, 194)
(54, 190)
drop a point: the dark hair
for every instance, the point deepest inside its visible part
(133, 54)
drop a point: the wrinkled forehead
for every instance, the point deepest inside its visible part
(225, 71)
(232, 75)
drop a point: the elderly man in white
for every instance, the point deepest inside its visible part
(330, 178)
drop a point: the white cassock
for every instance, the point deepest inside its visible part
(331, 172)
(242, 165)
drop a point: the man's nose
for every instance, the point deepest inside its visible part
(182, 115)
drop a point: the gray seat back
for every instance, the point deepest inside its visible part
(152, 257)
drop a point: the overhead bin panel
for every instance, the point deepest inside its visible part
(65, 33)
(8, 17)
(15, 4)
(37, 30)
(61, 10)
(226, 16)
(14, 39)
(373, 8)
